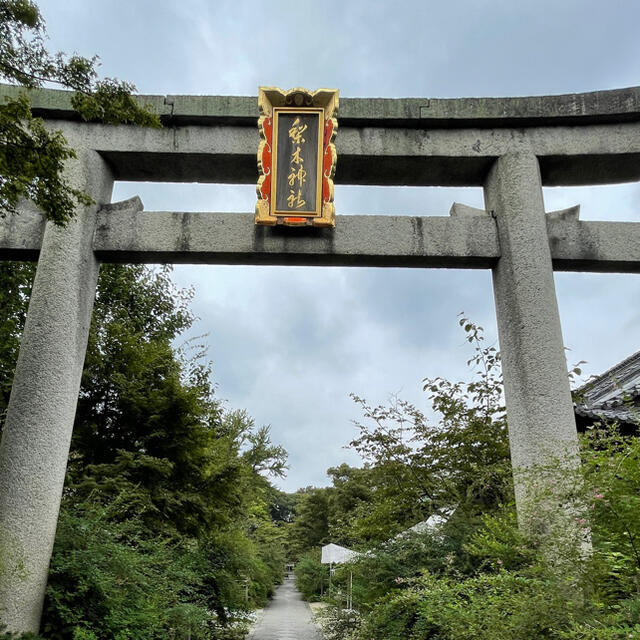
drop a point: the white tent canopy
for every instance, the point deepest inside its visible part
(335, 554)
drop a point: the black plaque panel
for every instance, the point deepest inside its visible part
(297, 163)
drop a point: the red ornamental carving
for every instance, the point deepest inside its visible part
(328, 163)
(267, 156)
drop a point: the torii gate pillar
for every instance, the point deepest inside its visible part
(37, 432)
(542, 428)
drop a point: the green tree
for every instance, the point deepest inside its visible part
(147, 419)
(32, 157)
(167, 498)
(515, 590)
(16, 279)
(311, 526)
(416, 468)
(312, 577)
(143, 421)
(282, 506)
(612, 482)
(478, 575)
(350, 493)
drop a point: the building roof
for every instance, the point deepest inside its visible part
(613, 395)
(335, 554)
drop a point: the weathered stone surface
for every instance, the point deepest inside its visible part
(542, 428)
(464, 211)
(570, 214)
(604, 247)
(21, 234)
(56, 103)
(619, 105)
(37, 431)
(125, 234)
(591, 138)
(130, 206)
(593, 154)
(232, 238)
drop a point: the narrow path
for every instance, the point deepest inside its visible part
(286, 617)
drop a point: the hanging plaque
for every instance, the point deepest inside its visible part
(296, 157)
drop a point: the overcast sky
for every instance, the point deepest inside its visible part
(375, 332)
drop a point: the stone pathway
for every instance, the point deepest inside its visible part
(286, 617)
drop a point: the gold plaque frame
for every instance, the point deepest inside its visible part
(271, 101)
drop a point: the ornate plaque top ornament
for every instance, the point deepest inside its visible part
(296, 157)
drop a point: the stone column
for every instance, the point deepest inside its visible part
(37, 432)
(542, 428)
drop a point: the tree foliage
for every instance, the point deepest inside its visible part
(310, 527)
(166, 523)
(476, 574)
(16, 279)
(456, 468)
(415, 467)
(312, 577)
(515, 590)
(32, 157)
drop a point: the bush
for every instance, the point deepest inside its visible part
(312, 577)
(337, 623)
(503, 606)
(106, 580)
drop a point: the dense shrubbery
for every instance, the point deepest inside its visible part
(337, 623)
(477, 575)
(518, 592)
(167, 527)
(499, 606)
(312, 577)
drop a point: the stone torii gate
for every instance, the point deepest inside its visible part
(510, 146)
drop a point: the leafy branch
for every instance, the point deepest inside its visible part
(32, 157)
